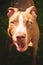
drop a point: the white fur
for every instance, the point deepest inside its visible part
(21, 29)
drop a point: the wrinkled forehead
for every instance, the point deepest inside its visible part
(20, 16)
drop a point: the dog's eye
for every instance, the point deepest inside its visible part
(12, 22)
(29, 22)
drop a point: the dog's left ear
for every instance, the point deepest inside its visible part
(32, 11)
(11, 11)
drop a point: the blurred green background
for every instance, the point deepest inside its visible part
(4, 4)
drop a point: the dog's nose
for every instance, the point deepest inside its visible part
(20, 37)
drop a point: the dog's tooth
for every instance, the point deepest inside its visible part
(16, 44)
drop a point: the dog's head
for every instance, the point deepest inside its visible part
(21, 27)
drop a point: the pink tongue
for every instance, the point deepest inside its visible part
(21, 44)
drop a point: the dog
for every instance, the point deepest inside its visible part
(23, 30)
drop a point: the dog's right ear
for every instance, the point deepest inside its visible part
(11, 11)
(32, 11)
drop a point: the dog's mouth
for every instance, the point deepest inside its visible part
(21, 46)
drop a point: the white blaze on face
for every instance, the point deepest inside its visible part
(20, 28)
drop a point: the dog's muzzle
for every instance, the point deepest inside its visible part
(21, 43)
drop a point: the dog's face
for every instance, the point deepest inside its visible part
(21, 27)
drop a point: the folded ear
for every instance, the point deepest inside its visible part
(32, 11)
(11, 11)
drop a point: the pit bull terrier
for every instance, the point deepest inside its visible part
(23, 30)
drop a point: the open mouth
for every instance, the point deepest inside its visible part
(21, 46)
